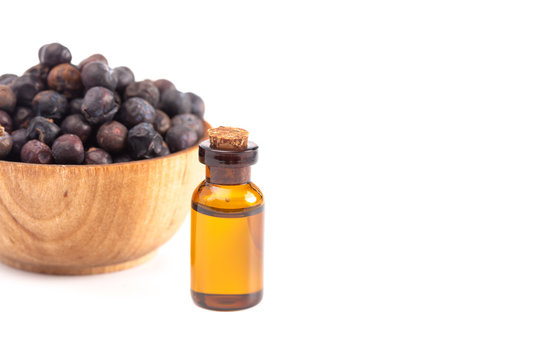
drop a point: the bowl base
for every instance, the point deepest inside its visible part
(71, 270)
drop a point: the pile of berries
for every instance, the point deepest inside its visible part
(61, 113)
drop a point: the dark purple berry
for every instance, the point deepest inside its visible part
(144, 142)
(163, 85)
(97, 73)
(191, 121)
(145, 90)
(99, 105)
(92, 58)
(117, 98)
(68, 149)
(75, 106)
(174, 102)
(25, 88)
(125, 77)
(180, 137)
(112, 137)
(161, 122)
(65, 79)
(6, 121)
(22, 116)
(36, 152)
(43, 130)
(7, 98)
(197, 104)
(39, 72)
(50, 104)
(54, 54)
(136, 110)
(19, 138)
(75, 124)
(165, 149)
(8, 79)
(120, 158)
(97, 156)
(6, 143)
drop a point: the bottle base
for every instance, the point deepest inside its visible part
(226, 302)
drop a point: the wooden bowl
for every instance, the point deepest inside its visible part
(91, 219)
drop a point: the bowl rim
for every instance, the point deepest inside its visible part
(127, 163)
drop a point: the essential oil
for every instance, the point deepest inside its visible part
(227, 225)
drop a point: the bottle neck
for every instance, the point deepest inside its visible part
(222, 175)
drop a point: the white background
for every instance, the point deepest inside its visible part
(407, 159)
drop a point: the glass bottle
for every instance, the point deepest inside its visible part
(227, 231)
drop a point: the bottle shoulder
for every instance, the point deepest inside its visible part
(228, 196)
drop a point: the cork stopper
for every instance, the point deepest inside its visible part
(228, 138)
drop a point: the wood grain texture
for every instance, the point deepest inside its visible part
(88, 219)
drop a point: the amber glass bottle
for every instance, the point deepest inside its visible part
(227, 231)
